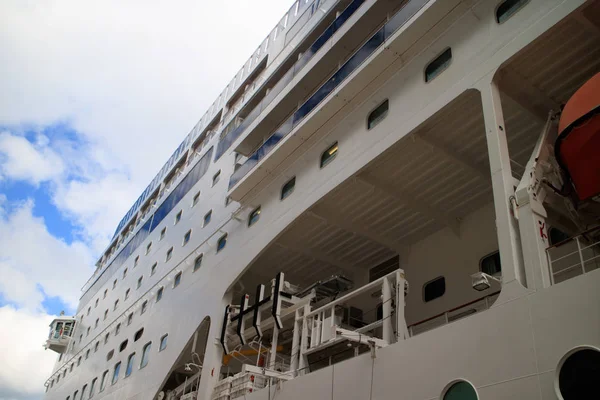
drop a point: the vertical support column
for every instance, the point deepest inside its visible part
(213, 356)
(401, 329)
(303, 340)
(296, 340)
(386, 298)
(273, 357)
(502, 183)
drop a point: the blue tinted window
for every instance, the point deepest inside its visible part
(116, 372)
(207, 218)
(222, 243)
(145, 354)
(177, 280)
(254, 216)
(130, 361)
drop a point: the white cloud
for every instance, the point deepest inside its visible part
(33, 260)
(25, 363)
(26, 161)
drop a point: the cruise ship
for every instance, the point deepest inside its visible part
(392, 199)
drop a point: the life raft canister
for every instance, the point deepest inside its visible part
(578, 144)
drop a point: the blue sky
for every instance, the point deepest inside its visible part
(95, 97)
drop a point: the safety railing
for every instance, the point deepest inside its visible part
(574, 256)
(352, 64)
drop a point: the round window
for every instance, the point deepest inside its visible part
(460, 390)
(579, 373)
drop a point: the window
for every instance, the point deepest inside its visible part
(169, 254)
(148, 248)
(198, 262)
(254, 216)
(329, 154)
(144, 307)
(556, 236)
(207, 218)
(138, 335)
(79, 361)
(71, 369)
(159, 294)
(136, 261)
(110, 354)
(123, 345)
(75, 395)
(127, 293)
(434, 289)
(384, 268)
(124, 273)
(103, 381)
(105, 293)
(196, 199)
(178, 217)
(96, 305)
(96, 346)
(118, 329)
(163, 232)
(60, 356)
(105, 314)
(578, 374)
(97, 322)
(115, 284)
(139, 282)
(115, 377)
(378, 114)
(186, 237)
(490, 264)
(216, 177)
(83, 389)
(116, 304)
(88, 311)
(87, 354)
(509, 8)
(145, 354)
(163, 342)
(227, 200)
(288, 188)
(92, 387)
(460, 390)
(221, 243)
(106, 337)
(88, 331)
(130, 319)
(129, 368)
(177, 280)
(438, 65)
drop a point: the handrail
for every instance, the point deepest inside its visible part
(453, 309)
(562, 242)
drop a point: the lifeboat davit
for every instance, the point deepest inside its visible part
(578, 143)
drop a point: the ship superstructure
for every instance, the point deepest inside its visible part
(387, 201)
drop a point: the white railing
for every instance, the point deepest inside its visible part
(574, 256)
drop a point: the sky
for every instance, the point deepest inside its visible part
(94, 97)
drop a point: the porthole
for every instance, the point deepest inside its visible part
(221, 243)
(434, 288)
(577, 374)
(508, 8)
(439, 65)
(329, 154)
(459, 390)
(378, 114)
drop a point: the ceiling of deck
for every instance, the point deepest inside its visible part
(438, 174)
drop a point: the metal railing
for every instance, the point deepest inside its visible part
(574, 256)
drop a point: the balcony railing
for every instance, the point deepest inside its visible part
(228, 139)
(399, 19)
(574, 256)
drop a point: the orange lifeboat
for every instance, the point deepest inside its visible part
(578, 143)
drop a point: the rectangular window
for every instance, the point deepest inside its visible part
(434, 288)
(254, 216)
(216, 177)
(490, 264)
(378, 114)
(153, 269)
(139, 282)
(186, 237)
(159, 294)
(163, 342)
(198, 262)
(207, 218)
(509, 8)
(145, 354)
(329, 154)
(163, 232)
(178, 217)
(288, 188)
(103, 381)
(144, 307)
(196, 199)
(115, 377)
(169, 254)
(130, 361)
(177, 280)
